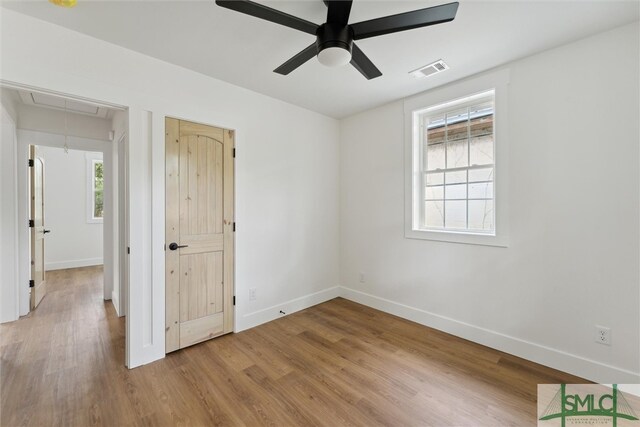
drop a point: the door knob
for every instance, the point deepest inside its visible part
(173, 246)
(46, 231)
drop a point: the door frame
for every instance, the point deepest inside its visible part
(233, 206)
(24, 213)
(117, 182)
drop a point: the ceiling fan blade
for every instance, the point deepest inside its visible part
(339, 11)
(263, 12)
(405, 21)
(297, 60)
(363, 64)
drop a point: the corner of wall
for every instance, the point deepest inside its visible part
(259, 317)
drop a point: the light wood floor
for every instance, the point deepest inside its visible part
(338, 363)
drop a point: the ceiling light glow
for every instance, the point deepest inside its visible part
(334, 56)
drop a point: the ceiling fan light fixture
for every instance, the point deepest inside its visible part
(64, 3)
(334, 44)
(334, 56)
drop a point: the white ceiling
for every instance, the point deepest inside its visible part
(63, 104)
(244, 50)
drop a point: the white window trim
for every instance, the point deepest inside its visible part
(499, 82)
(91, 159)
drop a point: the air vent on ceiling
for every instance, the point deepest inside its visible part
(431, 69)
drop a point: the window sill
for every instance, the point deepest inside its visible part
(95, 221)
(458, 237)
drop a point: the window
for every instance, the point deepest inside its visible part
(95, 188)
(456, 143)
(98, 189)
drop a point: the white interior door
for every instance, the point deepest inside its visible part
(38, 282)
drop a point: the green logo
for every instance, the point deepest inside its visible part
(613, 405)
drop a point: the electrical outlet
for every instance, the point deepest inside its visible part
(361, 277)
(603, 335)
(252, 294)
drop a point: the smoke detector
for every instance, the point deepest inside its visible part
(431, 69)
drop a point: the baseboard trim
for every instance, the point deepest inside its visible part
(556, 359)
(259, 317)
(74, 263)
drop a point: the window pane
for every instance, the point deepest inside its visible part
(98, 204)
(457, 116)
(481, 150)
(457, 154)
(435, 157)
(456, 214)
(436, 193)
(481, 215)
(457, 124)
(481, 122)
(435, 129)
(434, 178)
(98, 186)
(434, 217)
(456, 177)
(484, 174)
(457, 191)
(481, 190)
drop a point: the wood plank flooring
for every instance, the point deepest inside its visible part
(338, 363)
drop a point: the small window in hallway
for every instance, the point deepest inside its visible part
(98, 189)
(95, 188)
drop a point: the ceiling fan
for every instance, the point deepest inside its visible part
(334, 43)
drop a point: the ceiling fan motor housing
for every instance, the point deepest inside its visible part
(331, 35)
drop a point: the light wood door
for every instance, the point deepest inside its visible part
(38, 232)
(199, 233)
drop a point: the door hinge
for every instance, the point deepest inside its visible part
(32, 223)
(31, 283)
(31, 163)
(234, 300)
(234, 227)
(234, 153)
(128, 250)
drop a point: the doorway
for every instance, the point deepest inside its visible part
(99, 132)
(67, 214)
(199, 232)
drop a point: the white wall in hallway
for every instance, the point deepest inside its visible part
(73, 242)
(573, 259)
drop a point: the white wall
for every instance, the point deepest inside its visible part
(286, 171)
(573, 256)
(73, 242)
(8, 211)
